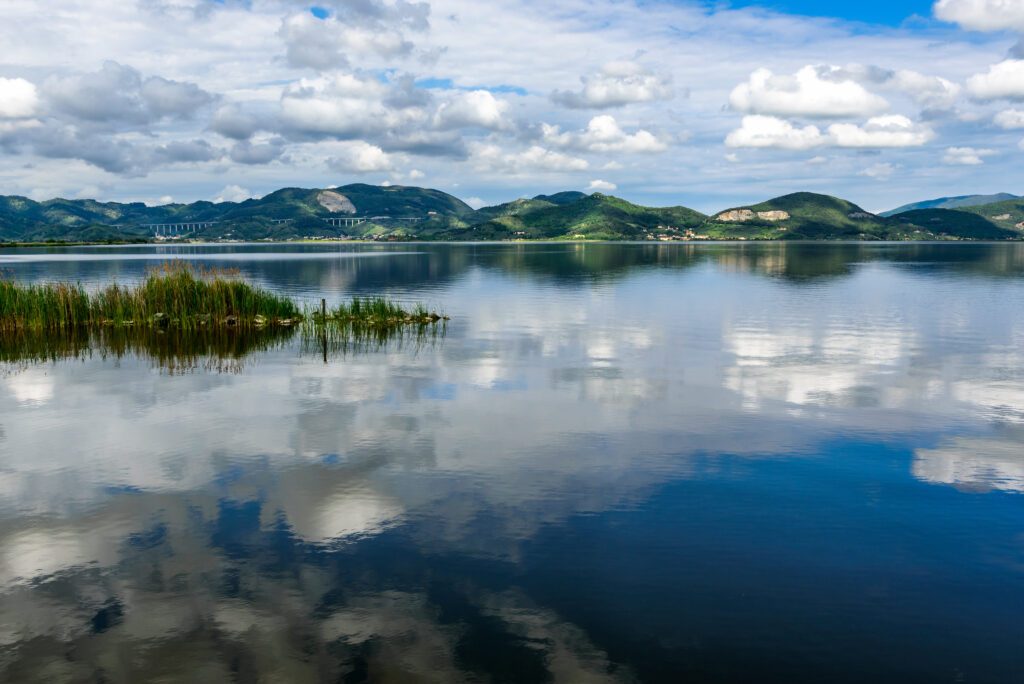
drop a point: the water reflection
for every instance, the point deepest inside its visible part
(219, 348)
(312, 269)
(673, 464)
(975, 463)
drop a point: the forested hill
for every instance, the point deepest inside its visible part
(400, 213)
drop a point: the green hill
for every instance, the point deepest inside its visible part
(567, 216)
(946, 223)
(799, 216)
(951, 203)
(286, 213)
(1007, 214)
(401, 212)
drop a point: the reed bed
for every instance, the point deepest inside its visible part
(176, 295)
(381, 313)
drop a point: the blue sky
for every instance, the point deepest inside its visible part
(892, 13)
(706, 104)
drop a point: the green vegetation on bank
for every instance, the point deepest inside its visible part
(369, 212)
(180, 297)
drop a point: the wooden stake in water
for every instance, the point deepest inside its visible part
(323, 322)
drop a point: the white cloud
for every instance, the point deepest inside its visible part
(535, 158)
(345, 105)
(601, 186)
(982, 15)
(966, 156)
(814, 91)
(474, 108)
(232, 193)
(1010, 119)
(246, 152)
(603, 134)
(1003, 81)
(770, 131)
(892, 130)
(881, 172)
(359, 156)
(19, 98)
(929, 91)
(617, 84)
(326, 43)
(476, 202)
(118, 95)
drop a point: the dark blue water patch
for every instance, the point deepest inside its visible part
(107, 617)
(763, 577)
(149, 539)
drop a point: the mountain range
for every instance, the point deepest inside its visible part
(958, 202)
(402, 212)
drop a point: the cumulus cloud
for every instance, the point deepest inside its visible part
(326, 43)
(1010, 119)
(892, 130)
(344, 105)
(880, 172)
(933, 92)
(982, 15)
(814, 92)
(359, 156)
(491, 157)
(19, 98)
(770, 131)
(474, 108)
(966, 156)
(603, 134)
(116, 155)
(118, 94)
(928, 91)
(1003, 81)
(246, 152)
(236, 122)
(617, 84)
(601, 186)
(412, 15)
(233, 193)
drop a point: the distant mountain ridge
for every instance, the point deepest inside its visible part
(367, 211)
(285, 213)
(952, 203)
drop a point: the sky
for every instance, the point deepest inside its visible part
(662, 102)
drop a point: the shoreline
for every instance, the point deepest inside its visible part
(556, 241)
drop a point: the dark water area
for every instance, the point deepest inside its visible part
(619, 463)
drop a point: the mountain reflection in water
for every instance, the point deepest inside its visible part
(714, 463)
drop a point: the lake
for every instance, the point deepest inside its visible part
(617, 463)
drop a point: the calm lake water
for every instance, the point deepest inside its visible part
(655, 463)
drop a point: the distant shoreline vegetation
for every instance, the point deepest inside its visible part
(180, 297)
(400, 213)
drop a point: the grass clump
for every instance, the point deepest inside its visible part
(175, 295)
(381, 312)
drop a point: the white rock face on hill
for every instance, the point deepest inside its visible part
(744, 215)
(335, 202)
